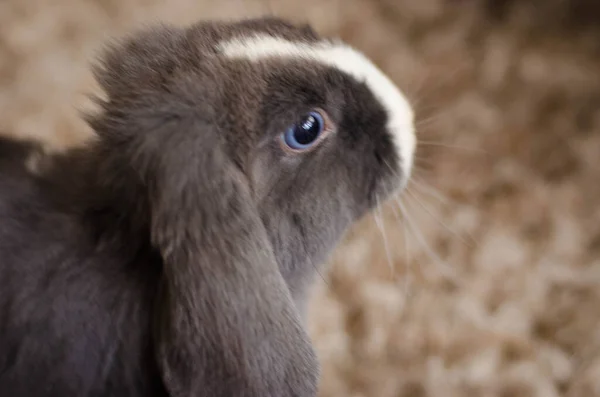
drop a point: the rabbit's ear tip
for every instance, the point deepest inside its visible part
(138, 60)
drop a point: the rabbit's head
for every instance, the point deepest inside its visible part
(317, 133)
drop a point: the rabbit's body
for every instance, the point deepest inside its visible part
(171, 255)
(74, 314)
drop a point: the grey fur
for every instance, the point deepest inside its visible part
(171, 255)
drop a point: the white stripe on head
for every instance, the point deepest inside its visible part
(348, 60)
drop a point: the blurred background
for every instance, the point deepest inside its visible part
(484, 278)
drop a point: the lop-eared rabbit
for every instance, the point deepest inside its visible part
(171, 254)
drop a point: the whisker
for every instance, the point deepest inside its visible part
(320, 274)
(447, 270)
(407, 260)
(448, 146)
(420, 124)
(424, 170)
(439, 83)
(419, 158)
(428, 211)
(380, 225)
(417, 168)
(418, 91)
(433, 192)
(445, 200)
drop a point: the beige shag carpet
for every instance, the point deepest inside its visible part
(492, 287)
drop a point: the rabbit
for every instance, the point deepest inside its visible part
(171, 254)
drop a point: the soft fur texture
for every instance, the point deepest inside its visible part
(171, 254)
(511, 86)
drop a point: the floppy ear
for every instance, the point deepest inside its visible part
(226, 324)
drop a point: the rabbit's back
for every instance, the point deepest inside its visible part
(74, 314)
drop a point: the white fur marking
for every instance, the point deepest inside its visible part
(350, 61)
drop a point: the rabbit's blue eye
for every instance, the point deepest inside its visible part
(304, 134)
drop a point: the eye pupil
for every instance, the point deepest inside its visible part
(304, 134)
(308, 131)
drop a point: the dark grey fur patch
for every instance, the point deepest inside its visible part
(171, 256)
